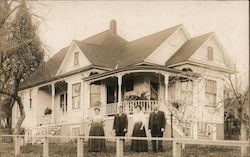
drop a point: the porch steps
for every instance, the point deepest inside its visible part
(185, 127)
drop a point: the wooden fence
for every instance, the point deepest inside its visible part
(178, 143)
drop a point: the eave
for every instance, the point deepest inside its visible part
(143, 68)
(62, 76)
(203, 66)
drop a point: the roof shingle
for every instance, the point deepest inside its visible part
(106, 50)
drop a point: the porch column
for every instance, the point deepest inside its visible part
(166, 77)
(53, 103)
(119, 89)
(82, 98)
(86, 99)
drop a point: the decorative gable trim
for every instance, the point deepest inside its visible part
(70, 50)
(201, 65)
(224, 52)
(226, 58)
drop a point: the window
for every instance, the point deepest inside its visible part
(187, 92)
(129, 85)
(76, 58)
(95, 94)
(210, 53)
(30, 98)
(63, 102)
(75, 131)
(76, 90)
(210, 91)
(111, 94)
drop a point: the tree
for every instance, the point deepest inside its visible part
(21, 54)
(236, 103)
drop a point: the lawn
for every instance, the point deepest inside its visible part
(69, 150)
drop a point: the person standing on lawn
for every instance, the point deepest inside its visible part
(156, 126)
(96, 129)
(120, 125)
(139, 121)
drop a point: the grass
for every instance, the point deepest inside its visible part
(70, 149)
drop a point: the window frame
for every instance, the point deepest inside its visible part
(210, 53)
(76, 96)
(76, 58)
(211, 93)
(187, 91)
(72, 133)
(132, 81)
(95, 91)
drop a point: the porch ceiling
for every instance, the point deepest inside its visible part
(136, 69)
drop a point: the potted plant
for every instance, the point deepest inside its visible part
(141, 96)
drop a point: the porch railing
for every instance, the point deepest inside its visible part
(129, 106)
(47, 129)
(205, 129)
(45, 119)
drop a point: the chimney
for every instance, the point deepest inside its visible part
(112, 27)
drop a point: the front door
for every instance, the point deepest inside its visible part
(111, 94)
(63, 106)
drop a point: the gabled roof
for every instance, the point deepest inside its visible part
(103, 49)
(107, 50)
(188, 49)
(107, 39)
(47, 70)
(138, 50)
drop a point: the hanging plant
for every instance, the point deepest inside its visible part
(47, 111)
(142, 96)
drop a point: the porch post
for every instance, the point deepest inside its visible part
(86, 98)
(119, 89)
(53, 103)
(166, 77)
(82, 99)
(195, 130)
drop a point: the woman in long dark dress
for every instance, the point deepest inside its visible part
(139, 121)
(96, 129)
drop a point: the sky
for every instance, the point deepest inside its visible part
(63, 21)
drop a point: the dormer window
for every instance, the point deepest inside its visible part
(76, 58)
(210, 53)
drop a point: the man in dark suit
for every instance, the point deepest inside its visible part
(120, 125)
(156, 126)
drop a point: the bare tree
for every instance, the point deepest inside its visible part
(21, 54)
(236, 103)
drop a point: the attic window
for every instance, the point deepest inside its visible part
(76, 58)
(210, 53)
